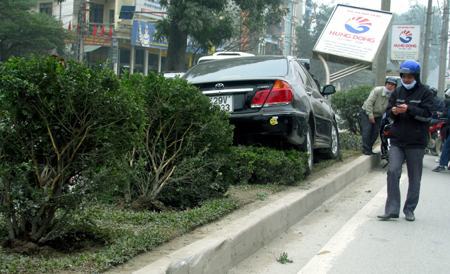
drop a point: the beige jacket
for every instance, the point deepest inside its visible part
(375, 105)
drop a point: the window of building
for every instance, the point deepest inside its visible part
(111, 17)
(46, 8)
(96, 13)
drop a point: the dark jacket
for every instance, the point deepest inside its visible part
(410, 129)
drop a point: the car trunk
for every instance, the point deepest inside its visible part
(234, 96)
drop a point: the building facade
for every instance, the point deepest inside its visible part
(102, 34)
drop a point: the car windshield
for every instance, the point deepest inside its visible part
(238, 68)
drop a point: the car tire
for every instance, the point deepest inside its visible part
(335, 148)
(308, 148)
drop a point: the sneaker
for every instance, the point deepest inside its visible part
(439, 168)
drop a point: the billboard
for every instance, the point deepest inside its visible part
(405, 42)
(150, 8)
(354, 33)
(143, 35)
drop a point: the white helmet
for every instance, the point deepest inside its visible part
(447, 93)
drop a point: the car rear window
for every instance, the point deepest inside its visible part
(237, 68)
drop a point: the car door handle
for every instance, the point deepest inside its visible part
(309, 93)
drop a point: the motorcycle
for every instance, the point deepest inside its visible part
(385, 135)
(436, 136)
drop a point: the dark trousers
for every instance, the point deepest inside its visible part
(369, 131)
(443, 161)
(414, 163)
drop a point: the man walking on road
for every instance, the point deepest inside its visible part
(372, 111)
(410, 108)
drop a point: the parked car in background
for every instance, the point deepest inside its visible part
(223, 55)
(271, 100)
(173, 74)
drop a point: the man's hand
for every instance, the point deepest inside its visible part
(400, 109)
(371, 120)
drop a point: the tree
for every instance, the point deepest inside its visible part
(23, 32)
(258, 16)
(314, 22)
(210, 23)
(205, 21)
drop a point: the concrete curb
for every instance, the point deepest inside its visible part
(220, 251)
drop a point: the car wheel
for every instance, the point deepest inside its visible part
(334, 150)
(308, 148)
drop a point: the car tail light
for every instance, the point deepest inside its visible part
(260, 98)
(280, 94)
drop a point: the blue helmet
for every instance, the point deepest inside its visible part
(410, 67)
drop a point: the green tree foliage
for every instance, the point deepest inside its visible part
(58, 125)
(348, 105)
(178, 156)
(259, 15)
(205, 21)
(23, 32)
(314, 21)
(210, 23)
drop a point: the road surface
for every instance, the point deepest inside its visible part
(345, 236)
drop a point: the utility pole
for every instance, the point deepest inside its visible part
(60, 10)
(444, 44)
(81, 30)
(426, 47)
(382, 55)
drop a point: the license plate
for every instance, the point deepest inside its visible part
(225, 102)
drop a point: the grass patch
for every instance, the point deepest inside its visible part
(284, 258)
(126, 233)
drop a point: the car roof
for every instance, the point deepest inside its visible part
(223, 55)
(232, 53)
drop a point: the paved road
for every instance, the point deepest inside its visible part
(344, 235)
(366, 245)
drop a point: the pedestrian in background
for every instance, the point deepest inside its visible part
(444, 158)
(438, 104)
(410, 109)
(372, 112)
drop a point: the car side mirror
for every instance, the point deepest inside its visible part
(328, 90)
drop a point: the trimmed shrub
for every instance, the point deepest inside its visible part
(58, 125)
(180, 141)
(198, 179)
(348, 106)
(261, 165)
(350, 141)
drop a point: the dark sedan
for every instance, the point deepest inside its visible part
(271, 99)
